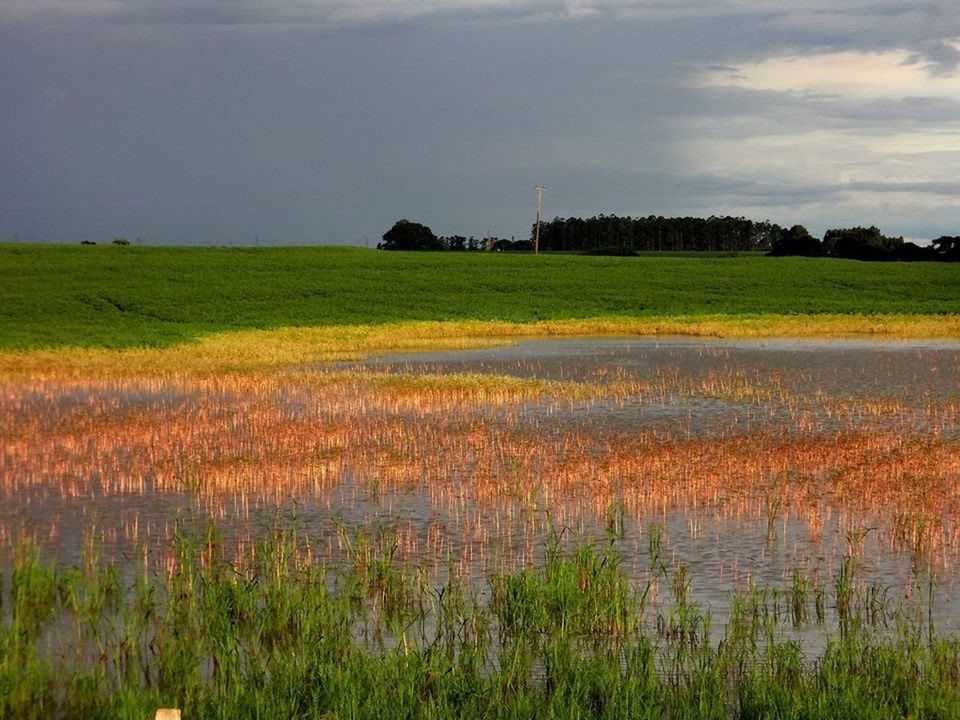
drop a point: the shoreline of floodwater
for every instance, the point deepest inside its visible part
(263, 350)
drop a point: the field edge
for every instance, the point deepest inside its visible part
(259, 350)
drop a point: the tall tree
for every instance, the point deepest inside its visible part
(406, 235)
(947, 247)
(860, 243)
(796, 241)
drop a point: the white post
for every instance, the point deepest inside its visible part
(536, 232)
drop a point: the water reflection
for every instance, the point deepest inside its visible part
(757, 459)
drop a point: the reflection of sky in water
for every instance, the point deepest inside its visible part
(857, 367)
(127, 396)
(724, 554)
(724, 551)
(910, 371)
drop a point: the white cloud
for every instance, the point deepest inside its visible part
(839, 136)
(885, 74)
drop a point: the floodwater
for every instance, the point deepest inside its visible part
(913, 371)
(756, 460)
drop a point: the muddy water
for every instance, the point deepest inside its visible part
(757, 459)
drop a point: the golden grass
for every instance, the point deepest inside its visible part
(468, 448)
(259, 350)
(238, 445)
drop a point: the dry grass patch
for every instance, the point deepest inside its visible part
(258, 350)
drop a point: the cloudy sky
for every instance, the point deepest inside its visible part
(323, 121)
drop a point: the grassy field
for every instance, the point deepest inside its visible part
(124, 297)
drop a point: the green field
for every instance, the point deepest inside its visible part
(108, 296)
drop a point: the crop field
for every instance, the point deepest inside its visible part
(56, 296)
(685, 498)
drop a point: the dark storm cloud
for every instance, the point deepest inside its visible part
(843, 23)
(298, 121)
(869, 25)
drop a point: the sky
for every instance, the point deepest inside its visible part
(325, 121)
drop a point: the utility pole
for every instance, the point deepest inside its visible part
(536, 233)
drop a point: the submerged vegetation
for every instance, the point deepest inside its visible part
(460, 549)
(449, 587)
(279, 635)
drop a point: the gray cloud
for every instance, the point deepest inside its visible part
(226, 120)
(790, 112)
(765, 192)
(926, 18)
(771, 26)
(938, 58)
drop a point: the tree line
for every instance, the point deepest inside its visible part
(610, 234)
(860, 243)
(407, 235)
(613, 235)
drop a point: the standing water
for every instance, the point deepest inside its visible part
(739, 464)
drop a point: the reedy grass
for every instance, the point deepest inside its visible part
(281, 636)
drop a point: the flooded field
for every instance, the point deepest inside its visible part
(744, 465)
